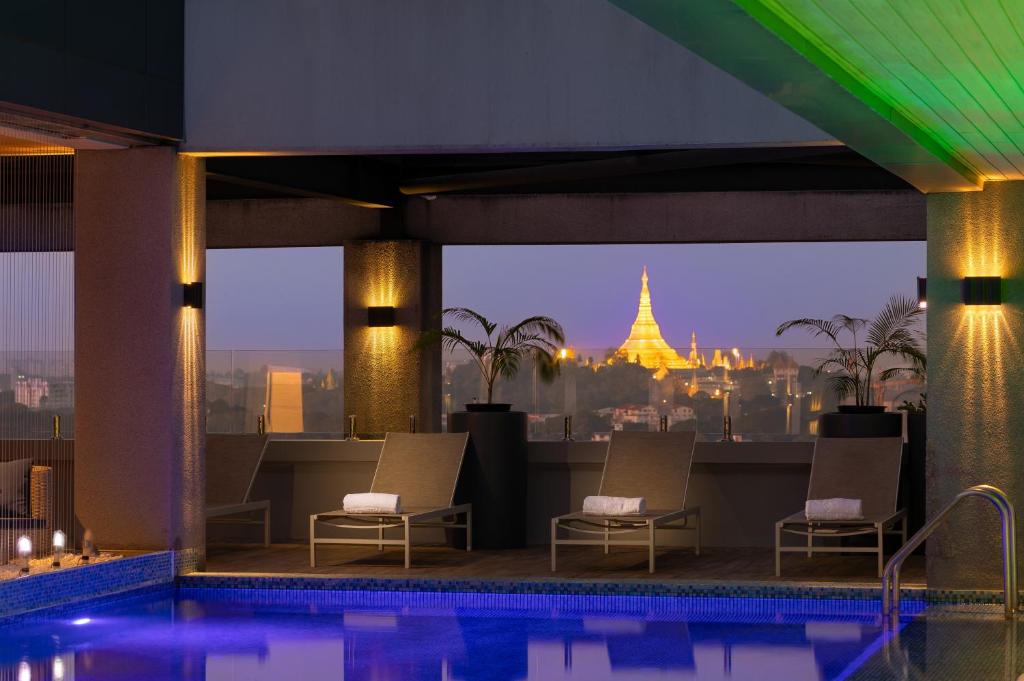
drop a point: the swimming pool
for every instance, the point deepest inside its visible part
(257, 635)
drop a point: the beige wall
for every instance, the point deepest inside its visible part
(139, 355)
(742, 488)
(385, 382)
(975, 376)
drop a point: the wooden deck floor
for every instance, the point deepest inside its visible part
(729, 565)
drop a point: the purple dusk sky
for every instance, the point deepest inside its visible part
(731, 294)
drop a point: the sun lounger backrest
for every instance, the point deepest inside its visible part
(865, 468)
(231, 465)
(422, 468)
(655, 466)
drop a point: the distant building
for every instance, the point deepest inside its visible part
(31, 391)
(646, 345)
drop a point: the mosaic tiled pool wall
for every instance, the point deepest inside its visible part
(77, 584)
(580, 588)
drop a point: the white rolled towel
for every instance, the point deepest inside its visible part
(834, 509)
(372, 502)
(597, 505)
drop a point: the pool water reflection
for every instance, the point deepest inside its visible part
(256, 635)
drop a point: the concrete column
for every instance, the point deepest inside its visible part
(139, 354)
(385, 382)
(975, 377)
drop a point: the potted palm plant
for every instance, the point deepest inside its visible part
(493, 475)
(859, 346)
(501, 352)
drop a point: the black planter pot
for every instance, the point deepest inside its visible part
(488, 407)
(861, 421)
(493, 477)
(860, 409)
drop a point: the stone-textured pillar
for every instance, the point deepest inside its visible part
(975, 377)
(385, 382)
(140, 405)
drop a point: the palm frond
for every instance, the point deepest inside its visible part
(539, 326)
(816, 327)
(842, 385)
(894, 323)
(464, 314)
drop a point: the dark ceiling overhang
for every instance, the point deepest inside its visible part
(388, 180)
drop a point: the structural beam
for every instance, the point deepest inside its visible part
(695, 217)
(285, 223)
(699, 217)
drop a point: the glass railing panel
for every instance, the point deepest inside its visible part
(295, 391)
(769, 394)
(35, 387)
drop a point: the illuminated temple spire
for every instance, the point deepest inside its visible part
(645, 343)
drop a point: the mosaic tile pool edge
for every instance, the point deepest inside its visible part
(581, 588)
(74, 585)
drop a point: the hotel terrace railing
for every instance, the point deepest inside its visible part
(768, 394)
(775, 397)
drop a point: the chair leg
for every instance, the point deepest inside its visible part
(266, 526)
(778, 550)
(650, 549)
(607, 524)
(554, 543)
(380, 534)
(881, 548)
(469, 530)
(408, 545)
(810, 541)
(312, 541)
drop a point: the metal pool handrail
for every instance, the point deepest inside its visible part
(998, 498)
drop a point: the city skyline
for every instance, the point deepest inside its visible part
(730, 294)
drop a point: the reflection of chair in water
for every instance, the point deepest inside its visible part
(615, 646)
(655, 466)
(865, 468)
(232, 462)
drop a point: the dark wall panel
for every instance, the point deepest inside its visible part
(113, 62)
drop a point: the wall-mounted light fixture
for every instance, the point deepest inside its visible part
(922, 292)
(982, 290)
(192, 295)
(380, 315)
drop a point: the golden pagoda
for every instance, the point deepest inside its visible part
(645, 344)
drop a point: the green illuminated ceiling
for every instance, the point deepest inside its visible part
(931, 89)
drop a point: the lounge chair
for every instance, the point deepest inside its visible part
(231, 465)
(851, 468)
(423, 470)
(655, 466)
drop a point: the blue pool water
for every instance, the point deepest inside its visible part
(256, 635)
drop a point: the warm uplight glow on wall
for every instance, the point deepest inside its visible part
(191, 340)
(982, 254)
(382, 373)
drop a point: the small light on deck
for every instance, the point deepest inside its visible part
(922, 292)
(24, 671)
(59, 542)
(58, 669)
(24, 552)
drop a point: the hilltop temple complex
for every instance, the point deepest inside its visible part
(646, 345)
